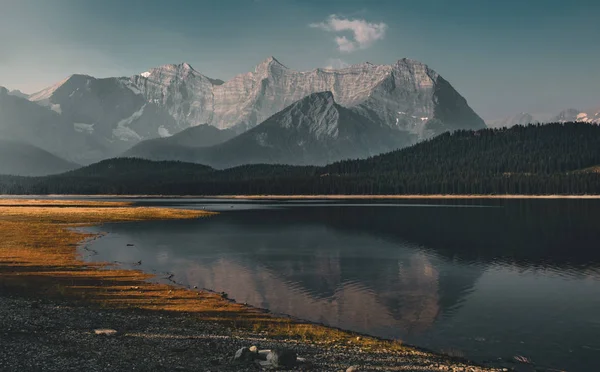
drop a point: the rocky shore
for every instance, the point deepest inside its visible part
(56, 335)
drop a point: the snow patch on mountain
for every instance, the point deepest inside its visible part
(123, 132)
(56, 108)
(163, 132)
(84, 128)
(130, 85)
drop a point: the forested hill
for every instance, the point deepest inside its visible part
(548, 148)
(557, 158)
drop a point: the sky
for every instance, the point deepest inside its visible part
(504, 57)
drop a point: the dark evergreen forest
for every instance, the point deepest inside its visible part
(558, 158)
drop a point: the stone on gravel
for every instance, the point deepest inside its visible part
(353, 369)
(244, 355)
(282, 357)
(254, 349)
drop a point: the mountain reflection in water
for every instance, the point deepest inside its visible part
(464, 278)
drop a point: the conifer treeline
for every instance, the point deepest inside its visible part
(556, 158)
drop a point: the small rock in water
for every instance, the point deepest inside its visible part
(105, 332)
(522, 359)
(282, 358)
(254, 349)
(352, 369)
(244, 355)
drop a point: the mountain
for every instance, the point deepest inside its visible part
(110, 110)
(180, 146)
(588, 116)
(591, 116)
(26, 122)
(18, 93)
(27, 160)
(313, 131)
(184, 93)
(558, 158)
(406, 96)
(522, 118)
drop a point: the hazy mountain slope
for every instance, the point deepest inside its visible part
(588, 116)
(313, 131)
(18, 93)
(27, 160)
(181, 145)
(591, 116)
(522, 118)
(110, 110)
(26, 122)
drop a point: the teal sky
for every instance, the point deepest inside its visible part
(504, 57)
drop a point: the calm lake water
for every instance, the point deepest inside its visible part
(485, 279)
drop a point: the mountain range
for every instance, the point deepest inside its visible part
(312, 131)
(366, 109)
(591, 116)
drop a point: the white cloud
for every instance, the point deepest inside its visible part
(345, 45)
(364, 34)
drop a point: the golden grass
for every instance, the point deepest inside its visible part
(38, 256)
(57, 203)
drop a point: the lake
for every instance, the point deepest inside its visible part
(483, 279)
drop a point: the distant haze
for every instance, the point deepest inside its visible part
(503, 57)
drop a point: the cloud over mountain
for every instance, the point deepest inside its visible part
(364, 33)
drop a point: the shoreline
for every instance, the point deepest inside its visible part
(4, 197)
(391, 197)
(39, 258)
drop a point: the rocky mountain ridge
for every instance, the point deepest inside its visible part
(312, 131)
(113, 114)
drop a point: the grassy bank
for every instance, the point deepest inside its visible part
(38, 256)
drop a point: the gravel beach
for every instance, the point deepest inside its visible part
(54, 335)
